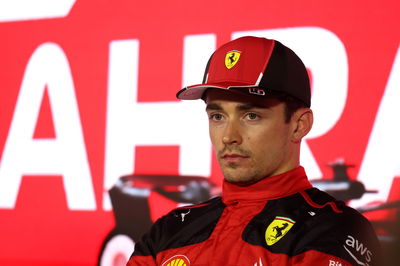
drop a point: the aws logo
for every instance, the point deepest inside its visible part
(177, 260)
(358, 250)
(231, 58)
(278, 229)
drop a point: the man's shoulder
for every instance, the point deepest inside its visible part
(194, 209)
(317, 209)
(342, 225)
(325, 204)
(190, 224)
(316, 198)
(312, 220)
(190, 215)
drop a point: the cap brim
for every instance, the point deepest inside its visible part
(195, 92)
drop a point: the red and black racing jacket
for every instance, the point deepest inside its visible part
(280, 220)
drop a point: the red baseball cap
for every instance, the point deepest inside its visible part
(254, 66)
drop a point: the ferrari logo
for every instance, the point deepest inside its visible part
(231, 58)
(277, 229)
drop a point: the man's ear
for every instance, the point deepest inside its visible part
(302, 121)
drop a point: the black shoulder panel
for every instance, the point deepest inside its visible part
(181, 227)
(312, 220)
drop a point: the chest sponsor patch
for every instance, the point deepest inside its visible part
(177, 260)
(358, 250)
(278, 229)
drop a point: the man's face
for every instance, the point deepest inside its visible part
(250, 136)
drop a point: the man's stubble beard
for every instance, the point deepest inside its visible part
(232, 170)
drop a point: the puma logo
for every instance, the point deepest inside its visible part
(182, 215)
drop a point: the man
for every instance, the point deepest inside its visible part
(257, 96)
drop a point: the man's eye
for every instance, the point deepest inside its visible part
(216, 116)
(252, 116)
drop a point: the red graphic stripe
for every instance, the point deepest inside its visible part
(316, 205)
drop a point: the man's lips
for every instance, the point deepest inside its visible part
(233, 157)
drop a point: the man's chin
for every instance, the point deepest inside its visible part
(241, 181)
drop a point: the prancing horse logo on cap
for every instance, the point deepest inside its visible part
(231, 58)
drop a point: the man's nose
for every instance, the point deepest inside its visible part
(232, 134)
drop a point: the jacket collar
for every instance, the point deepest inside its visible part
(269, 188)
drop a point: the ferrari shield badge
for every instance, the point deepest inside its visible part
(277, 229)
(231, 58)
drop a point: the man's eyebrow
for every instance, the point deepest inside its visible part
(241, 107)
(249, 106)
(213, 107)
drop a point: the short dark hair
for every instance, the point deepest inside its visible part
(292, 104)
